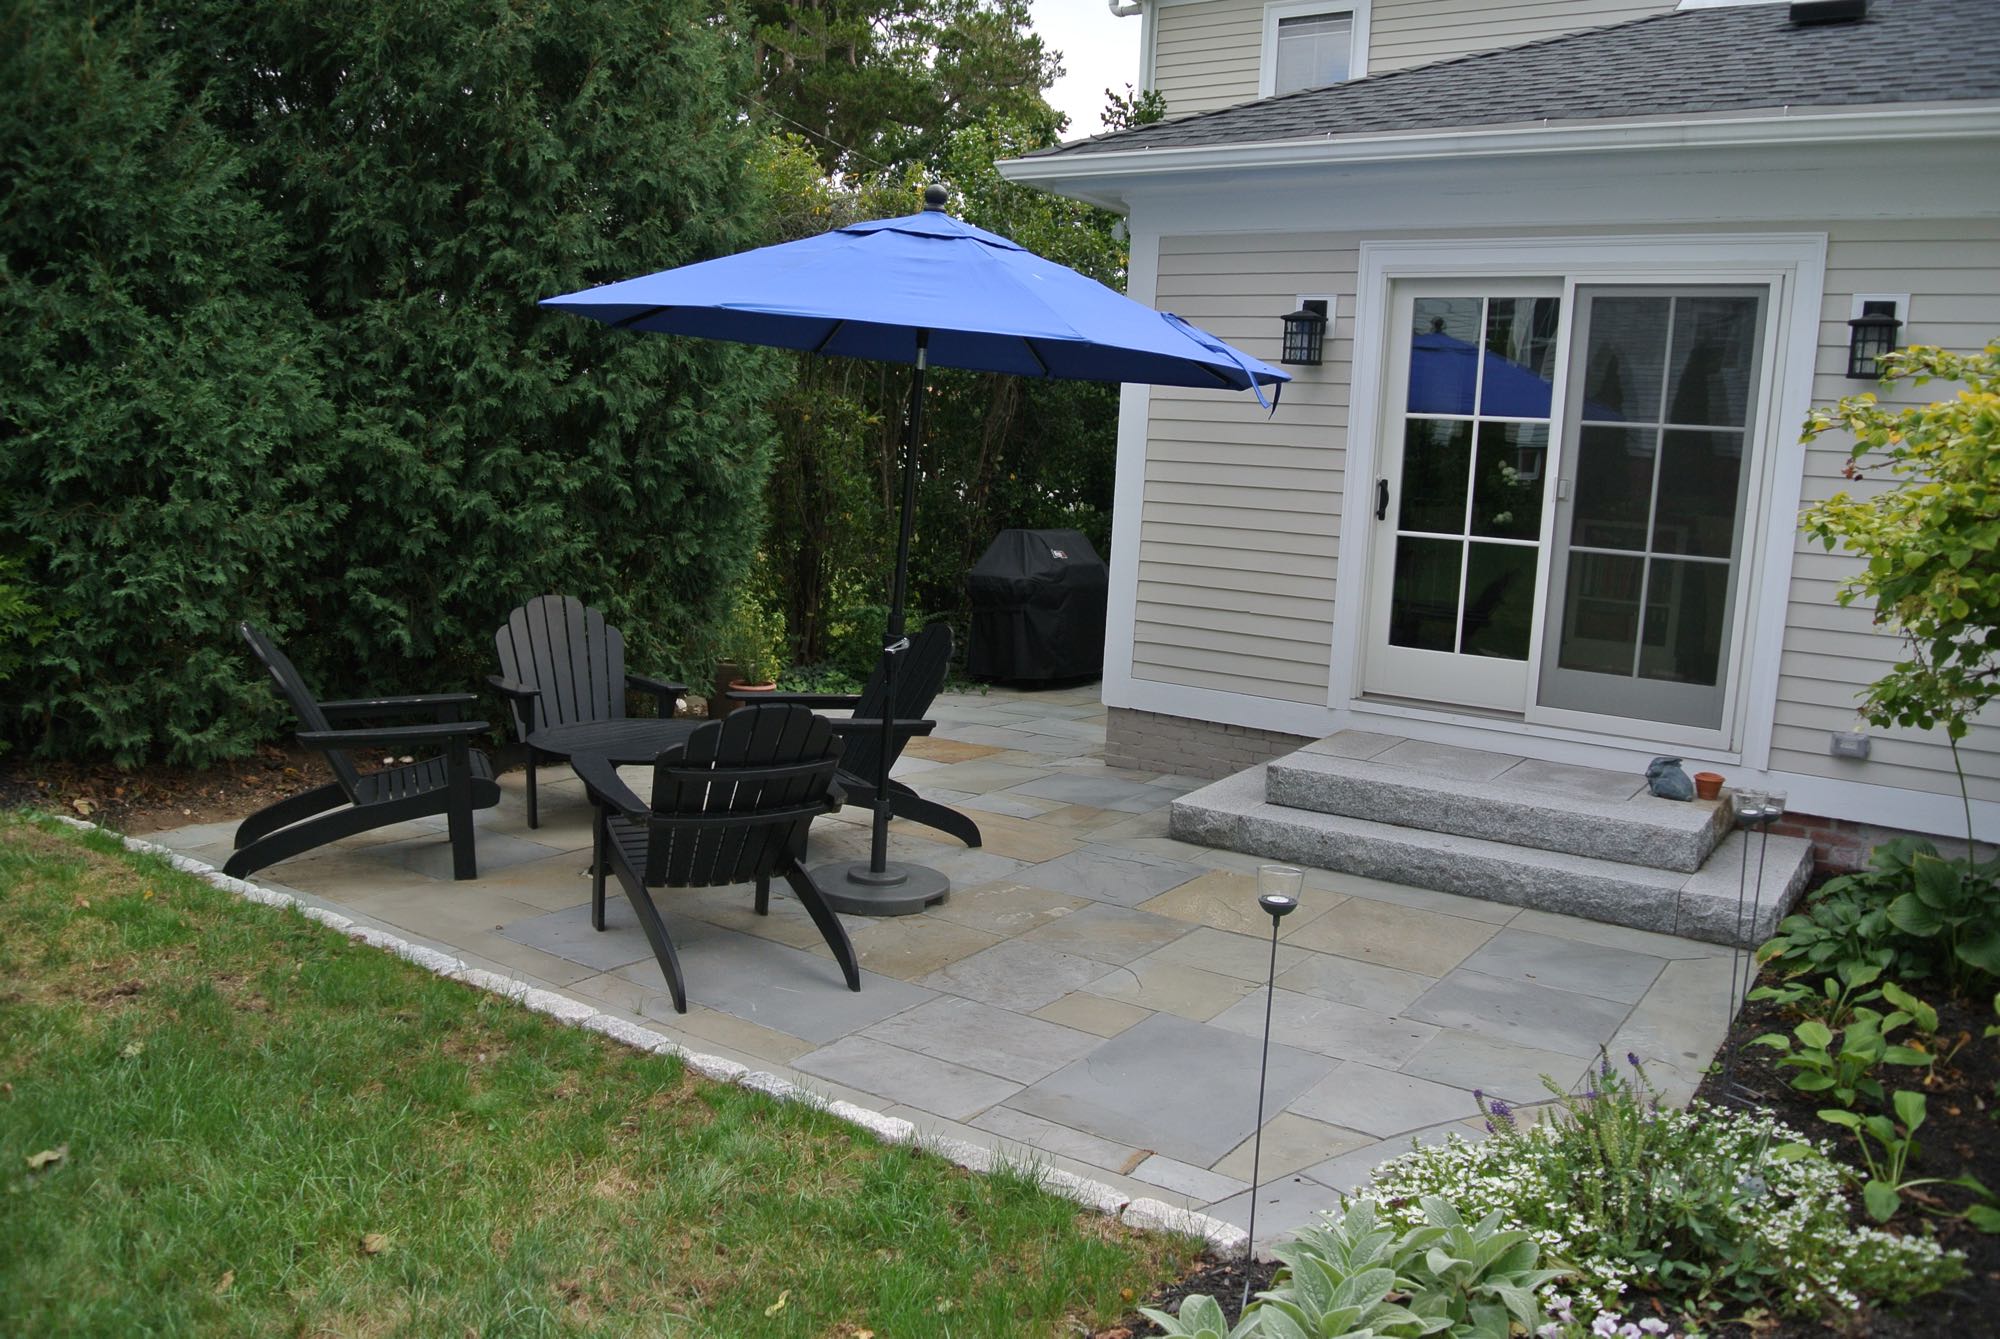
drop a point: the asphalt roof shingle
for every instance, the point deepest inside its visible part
(1687, 62)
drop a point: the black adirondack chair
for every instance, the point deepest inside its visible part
(562, 664)
(919, 679)
(454, 783)
(732, 805)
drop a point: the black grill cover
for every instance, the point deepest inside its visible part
(1037, 607)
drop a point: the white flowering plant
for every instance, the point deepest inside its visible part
(1699, 1211)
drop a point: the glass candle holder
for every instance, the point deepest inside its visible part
(1748, 806)
(1280, 880)
(1774, 805)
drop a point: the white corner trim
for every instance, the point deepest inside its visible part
(1278, 10)
(1145, 1214)
(1128, 486)
(1784, 127)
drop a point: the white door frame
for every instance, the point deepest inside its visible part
(1793, 263)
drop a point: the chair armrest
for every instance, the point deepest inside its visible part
(442, 732)
(797, 699)
(836, 797)
(607, 788)
(857, 725)
(508, 688)
(665, 691)
(439, 703)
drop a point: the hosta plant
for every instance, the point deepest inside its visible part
(1840, 1063)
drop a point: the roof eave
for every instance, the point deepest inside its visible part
(1104, 177)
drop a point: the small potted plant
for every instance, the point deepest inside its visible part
(753, 643)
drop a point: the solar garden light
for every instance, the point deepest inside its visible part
(1278, 893)
(1756, 809)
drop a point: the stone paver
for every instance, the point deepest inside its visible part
(1126, 878)
(995, 1040)
(1091, 995)
(1170, 1085)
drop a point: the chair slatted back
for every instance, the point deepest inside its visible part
(293, 689)
(565, 648)
(737, 799)
(919, 679)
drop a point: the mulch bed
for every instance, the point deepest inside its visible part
(1220, 1279)
(1960, 1134)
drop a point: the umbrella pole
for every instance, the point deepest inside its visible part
(876, 887)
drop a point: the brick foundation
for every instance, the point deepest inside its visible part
(1147, 741)
(1841, 845)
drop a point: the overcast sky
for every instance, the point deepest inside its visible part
(1098, 52)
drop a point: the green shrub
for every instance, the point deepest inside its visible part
(1702, 1207)
(162, 401)
(270, 277)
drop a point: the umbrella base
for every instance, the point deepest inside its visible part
(899, 890)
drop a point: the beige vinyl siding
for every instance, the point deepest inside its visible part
(1205, 55)
(1403, 33)
(1951, 270)
(1242, 509)
(1242, 513)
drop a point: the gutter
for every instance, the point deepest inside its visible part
(1764, 129)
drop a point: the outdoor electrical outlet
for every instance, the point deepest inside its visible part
(1851, 745)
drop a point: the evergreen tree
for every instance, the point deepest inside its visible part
(161, 402)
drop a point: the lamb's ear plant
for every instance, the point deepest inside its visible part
(1200, 1318)
(1484, 1276)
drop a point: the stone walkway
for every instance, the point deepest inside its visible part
(1091, 994)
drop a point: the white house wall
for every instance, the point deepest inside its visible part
(1232, 607)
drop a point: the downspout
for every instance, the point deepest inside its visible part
(1125, 9)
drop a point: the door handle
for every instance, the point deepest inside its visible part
(1381, 499)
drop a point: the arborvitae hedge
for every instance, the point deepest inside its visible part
(279, 265)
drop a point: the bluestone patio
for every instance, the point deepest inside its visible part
(1091, 994)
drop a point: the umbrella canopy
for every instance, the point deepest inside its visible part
(981, 301)
(931, 291)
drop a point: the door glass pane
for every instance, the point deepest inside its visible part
(1518, 372)
(1614, 485)
(1423, 610)
(1444, 355)
(1508, 485)
(1708, 376)
(1699, 475)
(1626, 360)
(1499, 600)
(1685, 602)
(1436, 453)
(1601, 612)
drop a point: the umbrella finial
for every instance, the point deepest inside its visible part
(935, 197)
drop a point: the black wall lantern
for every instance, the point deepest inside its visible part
(1870, 335)
(1305, 331)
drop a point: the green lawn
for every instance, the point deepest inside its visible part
(270, 1129)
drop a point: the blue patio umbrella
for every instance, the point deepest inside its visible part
(1444, 370)
(931, 291)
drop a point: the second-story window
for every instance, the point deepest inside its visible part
(1313, 50)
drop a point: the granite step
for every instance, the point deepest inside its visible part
(1569, 810)
(1234, 813)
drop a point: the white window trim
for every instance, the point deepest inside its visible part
(1267, 62)
(1799, 257)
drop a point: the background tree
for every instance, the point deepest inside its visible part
(1930, 541)
(998, 451)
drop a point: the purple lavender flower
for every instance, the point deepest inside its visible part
(1632, 1059)
(1501, 1112)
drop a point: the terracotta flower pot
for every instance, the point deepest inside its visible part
(1707, 785)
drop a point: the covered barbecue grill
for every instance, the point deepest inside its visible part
(1037, 607)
